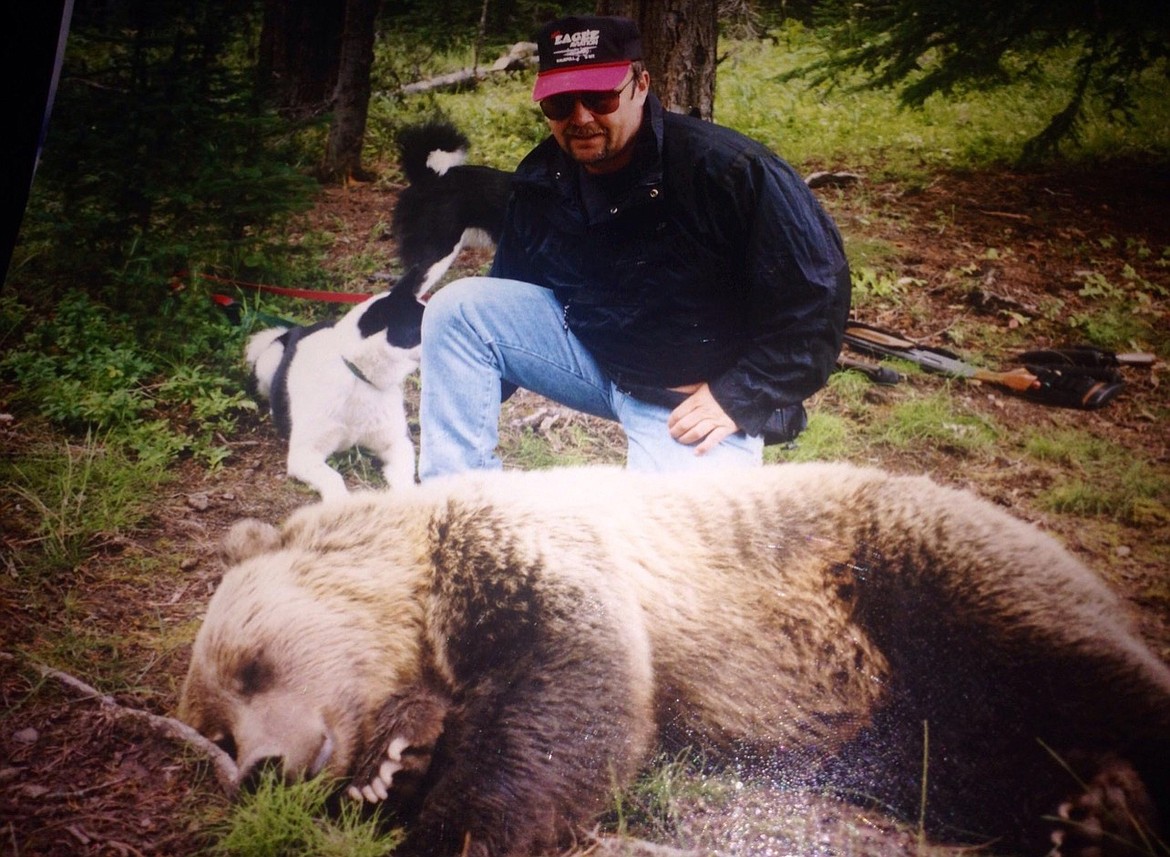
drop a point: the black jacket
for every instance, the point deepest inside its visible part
(708, 259)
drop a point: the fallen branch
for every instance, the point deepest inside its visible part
(521, 55)
(226, 772)
(1006, 214)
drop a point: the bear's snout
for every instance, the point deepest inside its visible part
(272, 736)
(290, 764)
(265, 768)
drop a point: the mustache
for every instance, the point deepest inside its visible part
(583, 130)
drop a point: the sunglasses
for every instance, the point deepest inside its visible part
(558, 107)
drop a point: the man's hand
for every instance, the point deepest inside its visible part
(699, 421)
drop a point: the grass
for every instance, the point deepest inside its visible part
(277, 820)
(869, 130)
(1123, 310)
(873, 286)
(78, 494)
(670, 788)
(849, 422)
(561, 440)
(935, 420)
(1100, 479)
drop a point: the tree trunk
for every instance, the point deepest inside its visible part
(351, 98)
(299, 55)
(679, 42)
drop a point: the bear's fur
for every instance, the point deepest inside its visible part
(494, 653)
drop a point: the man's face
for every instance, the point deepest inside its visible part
(602, 142)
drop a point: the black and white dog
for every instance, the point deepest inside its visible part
(335, 385)
(447, 206)
(339, 384)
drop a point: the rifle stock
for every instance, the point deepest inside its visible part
(1020, 380)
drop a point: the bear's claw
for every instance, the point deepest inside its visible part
(378, 789)
(1112, 815)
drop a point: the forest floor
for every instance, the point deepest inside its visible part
(982, 259)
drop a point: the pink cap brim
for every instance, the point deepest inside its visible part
(591, 78)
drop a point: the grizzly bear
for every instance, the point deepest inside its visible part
(490, 655)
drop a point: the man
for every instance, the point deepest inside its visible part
(655, 269)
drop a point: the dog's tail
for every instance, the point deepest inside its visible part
(263, 354)
(429, 150)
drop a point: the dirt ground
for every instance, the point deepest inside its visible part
(984, 251)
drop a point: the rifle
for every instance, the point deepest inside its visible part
(870, 340)
(1049, 384)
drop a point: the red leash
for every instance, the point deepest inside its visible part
(305, 294)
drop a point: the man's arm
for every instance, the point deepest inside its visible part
(798, 294)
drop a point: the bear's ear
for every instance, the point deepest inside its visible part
(248, 538)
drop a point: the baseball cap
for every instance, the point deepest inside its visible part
(585, 53)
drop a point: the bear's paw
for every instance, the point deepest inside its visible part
(408, 727)
(1111, 816)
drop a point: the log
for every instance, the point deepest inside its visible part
(520, 56)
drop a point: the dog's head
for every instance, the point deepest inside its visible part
(382, 337)
(396, 315)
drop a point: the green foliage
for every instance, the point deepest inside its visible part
(499, 117)
(77, 493)
(1107, 480)
(935, 421)
(1123, 313)
(82, 367)
(560, 439)
(833, 425)
(855, 127)
(847, 419)
(654, 804)
(447, 23)
(932, 47)
(87, 368)
(828, 437)
(871, 286)
(760, 93)
(279, 820)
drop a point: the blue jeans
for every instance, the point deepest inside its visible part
(479, 331)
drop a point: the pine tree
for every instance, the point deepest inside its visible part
(923, 47)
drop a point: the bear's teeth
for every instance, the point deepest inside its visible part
(354, 793)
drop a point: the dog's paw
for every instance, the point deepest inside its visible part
(1112, 816)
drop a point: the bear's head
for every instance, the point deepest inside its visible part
(303, 642)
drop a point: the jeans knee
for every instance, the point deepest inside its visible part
(446, 306)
